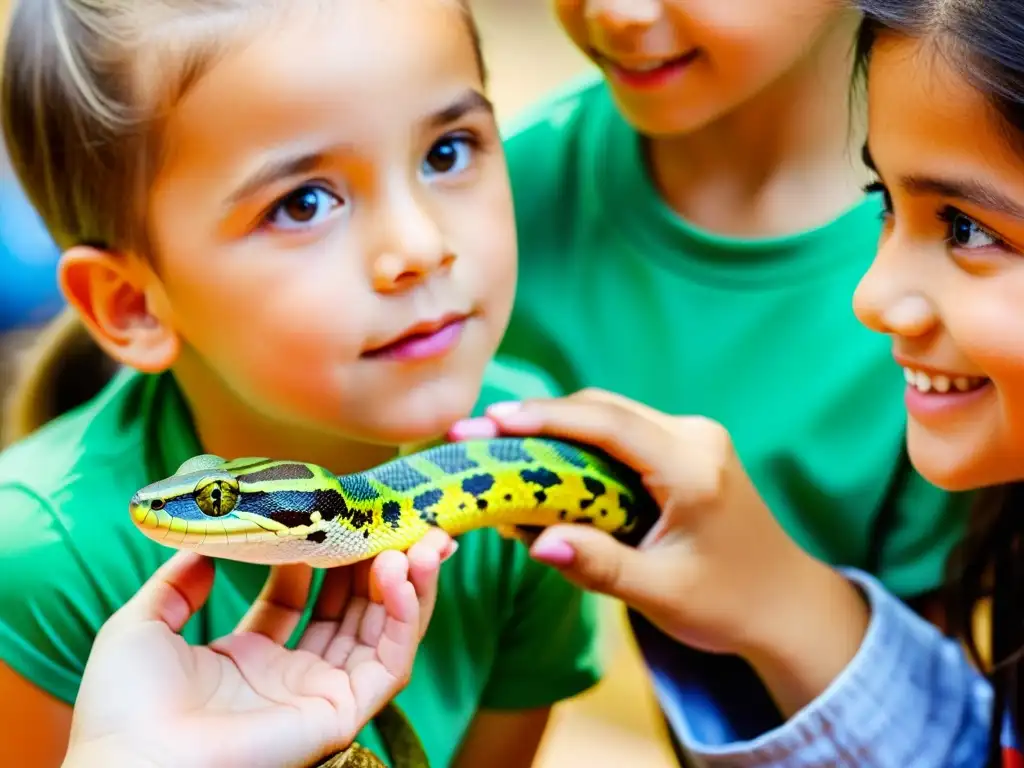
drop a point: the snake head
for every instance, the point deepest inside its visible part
(200, 485)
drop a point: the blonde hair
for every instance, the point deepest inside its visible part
(85, 85)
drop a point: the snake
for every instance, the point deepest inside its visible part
(277, 512)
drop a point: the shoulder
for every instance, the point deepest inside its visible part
(511, 378)
(549, 147)
(70, 556)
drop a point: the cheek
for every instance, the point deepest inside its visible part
(249, 317)
(571, 15)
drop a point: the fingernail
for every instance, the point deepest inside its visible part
(451, 551)
(471, 429)
(556, 552)
(501, 410)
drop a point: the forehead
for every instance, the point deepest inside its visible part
(351, 67)
(924, 115)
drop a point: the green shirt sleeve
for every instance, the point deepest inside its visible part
(54, 597)
(549, 649)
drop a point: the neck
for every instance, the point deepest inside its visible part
(783, 162)
(227, 427)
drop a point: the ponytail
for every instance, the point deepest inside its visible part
(64, 369)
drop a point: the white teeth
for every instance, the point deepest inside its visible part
(940, 383)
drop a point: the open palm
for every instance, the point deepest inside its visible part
(149, 698)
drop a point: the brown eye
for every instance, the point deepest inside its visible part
(157, 504)
(216, 497)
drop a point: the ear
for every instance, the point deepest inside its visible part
(109, 291)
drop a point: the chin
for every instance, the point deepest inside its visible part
(423, 414)
(955, 468)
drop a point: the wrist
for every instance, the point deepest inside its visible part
(812, 629)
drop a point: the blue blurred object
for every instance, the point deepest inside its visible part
(29, 293)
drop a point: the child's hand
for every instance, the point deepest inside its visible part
(149, 699)
(717, 572)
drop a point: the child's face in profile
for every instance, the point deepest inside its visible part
(333, 224)
(948, 281)
(675, 66)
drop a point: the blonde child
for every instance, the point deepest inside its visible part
(291, 224)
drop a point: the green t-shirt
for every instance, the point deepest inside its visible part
(616, 291)
(507, 633)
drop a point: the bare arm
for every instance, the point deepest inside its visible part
(34, 726)
(503, 739)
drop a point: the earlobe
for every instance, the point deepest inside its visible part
(109, 293)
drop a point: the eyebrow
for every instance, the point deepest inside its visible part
(973, 192)
(467, 102)
(306, 162)
(277, 169)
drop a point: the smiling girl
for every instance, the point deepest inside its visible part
(291, 224)
(859, 678)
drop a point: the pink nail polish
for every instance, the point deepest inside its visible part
(500, 410)
(473, 429)
(556, 552)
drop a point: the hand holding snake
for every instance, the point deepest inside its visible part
(246, 700)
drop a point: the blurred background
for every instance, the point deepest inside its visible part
(618, 723)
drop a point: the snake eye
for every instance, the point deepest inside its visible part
(216, 497)
(157, 504)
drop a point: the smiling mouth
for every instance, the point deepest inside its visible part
(649, 72)
(941, 384)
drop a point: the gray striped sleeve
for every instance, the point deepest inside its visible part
(909, 699)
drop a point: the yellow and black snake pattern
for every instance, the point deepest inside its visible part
(276, 512)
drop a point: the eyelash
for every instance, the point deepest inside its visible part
(948, 215)
(461, 139)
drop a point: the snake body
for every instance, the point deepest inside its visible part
(275, 512)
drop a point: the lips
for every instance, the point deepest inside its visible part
(423, 339)
(645, 72)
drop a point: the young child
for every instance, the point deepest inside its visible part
(863, 680)
(291, 223)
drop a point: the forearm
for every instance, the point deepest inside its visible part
(907, 697)
(808, 636)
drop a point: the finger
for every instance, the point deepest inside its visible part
(595, 561)
(389, 570)
(627, 432)
(280, 604)
(425, 558)
(172, 594)
(473, 429)
(326, 620)
(395, 641)
(334, 594)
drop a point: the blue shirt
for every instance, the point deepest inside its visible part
(909, 699)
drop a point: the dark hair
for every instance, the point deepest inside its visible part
(83, 131)
(985, 42)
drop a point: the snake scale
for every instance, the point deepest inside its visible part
(275, 512)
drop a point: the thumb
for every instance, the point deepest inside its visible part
(172, 594)
(593, 560)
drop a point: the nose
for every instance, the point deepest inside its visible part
(891, 297)
(413, 246)
(622, 17)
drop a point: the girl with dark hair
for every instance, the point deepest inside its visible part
(855, 677)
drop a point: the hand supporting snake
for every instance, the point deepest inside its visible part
(277, 512)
